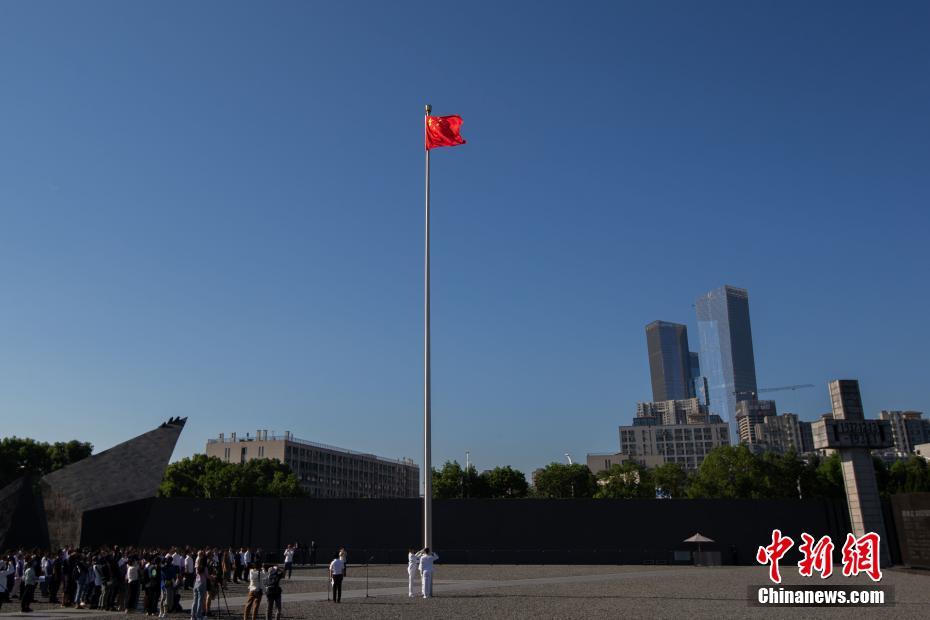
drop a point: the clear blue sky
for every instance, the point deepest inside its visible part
(215, 210)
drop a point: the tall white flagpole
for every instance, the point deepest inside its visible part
(427, 440)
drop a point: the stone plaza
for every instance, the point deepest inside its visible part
(548, 591)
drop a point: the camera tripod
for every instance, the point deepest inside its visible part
(219, 612)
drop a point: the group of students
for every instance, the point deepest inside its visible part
(116, 579)
(109, 579)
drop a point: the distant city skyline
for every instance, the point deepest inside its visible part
(215, 211)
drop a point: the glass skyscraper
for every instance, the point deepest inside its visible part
(670, 361)
(727, 359)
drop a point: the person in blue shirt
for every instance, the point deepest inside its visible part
(169, 572)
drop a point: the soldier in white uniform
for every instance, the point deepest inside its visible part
(413, 563)
(426, 570)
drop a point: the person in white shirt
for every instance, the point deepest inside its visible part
(289, 560)
(256, 588)
(426, 570)
(413, 563)
(188, 571)
(7, 568)
(132, 585)
(337, 570)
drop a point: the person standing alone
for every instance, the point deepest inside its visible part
(337, 570)
(289, 560)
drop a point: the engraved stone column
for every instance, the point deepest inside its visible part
(854, 437)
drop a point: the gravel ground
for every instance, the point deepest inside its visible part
(560, 592)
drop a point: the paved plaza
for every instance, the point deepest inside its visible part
(502, 591)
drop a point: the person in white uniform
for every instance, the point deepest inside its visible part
(427, 558)
(413, 563)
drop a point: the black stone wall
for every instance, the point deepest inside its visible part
(473, 531)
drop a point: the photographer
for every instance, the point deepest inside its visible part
(273, 591)
(214, 575)
(256, 585)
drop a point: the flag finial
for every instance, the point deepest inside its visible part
(429, 109)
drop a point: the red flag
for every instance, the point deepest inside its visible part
(443, 131)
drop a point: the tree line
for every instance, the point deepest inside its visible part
(27, 457)
(727, 472)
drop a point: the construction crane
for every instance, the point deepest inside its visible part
(739, 393)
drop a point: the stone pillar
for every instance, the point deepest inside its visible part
(854, 437)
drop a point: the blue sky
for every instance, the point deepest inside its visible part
(215, 210)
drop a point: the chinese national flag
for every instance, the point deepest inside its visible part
(443, 131)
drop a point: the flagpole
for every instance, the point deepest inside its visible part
(427, 439)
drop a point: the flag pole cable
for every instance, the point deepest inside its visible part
(427, 438)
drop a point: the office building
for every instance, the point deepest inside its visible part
(908, 429)
(651, 442)
(670, 362)
(324, 471)
(727, 358)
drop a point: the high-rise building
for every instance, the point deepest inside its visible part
(727, 358)
(695, 362)
(749, 413)
(669, 361)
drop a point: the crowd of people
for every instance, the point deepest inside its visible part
(119, 579)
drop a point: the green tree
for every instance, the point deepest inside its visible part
(209, 477)
(506, 482)
(447, 482)
(911, 475)
(28, 457)
(727, 472)
(828, 478)
(671, 480)
(882, 476)
(475, 485)
(780, 475)
(560, 480)
(624, 481)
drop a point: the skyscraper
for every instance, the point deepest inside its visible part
(727, 358)
(669, 361)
